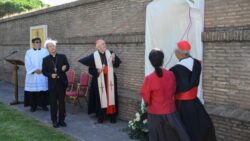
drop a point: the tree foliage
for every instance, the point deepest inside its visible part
(8, 7)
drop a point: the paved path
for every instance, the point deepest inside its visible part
(81, 126)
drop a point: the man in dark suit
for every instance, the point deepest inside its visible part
(55, 67)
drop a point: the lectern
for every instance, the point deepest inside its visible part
(15, 63)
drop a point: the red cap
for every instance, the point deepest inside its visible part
(184, 45)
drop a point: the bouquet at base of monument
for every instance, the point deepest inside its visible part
(138, 127)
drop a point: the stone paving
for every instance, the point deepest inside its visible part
(80, 125)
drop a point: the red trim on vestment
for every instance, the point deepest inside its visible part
(188, 95)
(110, 108)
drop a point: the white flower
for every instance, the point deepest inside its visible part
(130, 124)
(143, 107)
(193, 1)
(145, 121)
(133, 127)
(138, 118)
(137, 115)
(145, 130)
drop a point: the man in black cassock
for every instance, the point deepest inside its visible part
(103, 98)
(193, 115)
(55, 67)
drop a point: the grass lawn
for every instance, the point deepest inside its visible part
(16, 126)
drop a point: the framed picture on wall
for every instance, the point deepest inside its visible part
(38, 31)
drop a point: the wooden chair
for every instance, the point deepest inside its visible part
(81, 90)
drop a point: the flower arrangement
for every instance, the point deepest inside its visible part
(193, 1)
(138, 127)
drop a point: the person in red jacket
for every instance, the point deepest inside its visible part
(158, 93)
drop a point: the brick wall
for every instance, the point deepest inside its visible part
(226, 67)
(228, 129)
(226, 73)
(227, 13)
(121, 23)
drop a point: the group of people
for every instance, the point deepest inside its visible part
(46, 81)
(174, 111)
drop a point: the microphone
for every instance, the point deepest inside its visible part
(13, 52)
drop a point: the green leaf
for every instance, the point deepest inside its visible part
(8, 7)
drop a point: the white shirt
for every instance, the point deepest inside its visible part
(33, 61)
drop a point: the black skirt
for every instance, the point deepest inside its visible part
(166, 127)
(42, 98)
(196, 120)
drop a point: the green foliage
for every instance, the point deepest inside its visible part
(8, 7)
(16, 126)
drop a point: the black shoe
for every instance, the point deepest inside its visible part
(55, 124)
(113, 120)
(100, 120)
(32, 109)
(45, 108)
(62, 123)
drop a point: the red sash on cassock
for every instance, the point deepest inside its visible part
(188, 95)
(110, 108)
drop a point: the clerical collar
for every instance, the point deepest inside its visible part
(53, 56)
(187, 62)
(101, 53)
(185, 58)
(37, 49)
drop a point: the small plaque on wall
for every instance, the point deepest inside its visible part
(38, 31)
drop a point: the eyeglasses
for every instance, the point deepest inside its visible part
(37, 42)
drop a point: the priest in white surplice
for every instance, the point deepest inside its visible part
(36, 84)
(103, 94)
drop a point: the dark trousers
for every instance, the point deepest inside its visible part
(37, 99)
(57, 103)
(102, 115)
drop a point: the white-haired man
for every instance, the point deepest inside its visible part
(55, 67)
(103, 98)
(36, 84)
(187, 72)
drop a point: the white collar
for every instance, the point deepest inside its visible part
(187, 62)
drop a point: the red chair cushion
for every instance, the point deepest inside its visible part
(71, 76)
(71, 93)
(84, 80)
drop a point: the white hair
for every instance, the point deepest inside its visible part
(182, 52)
(49, 41)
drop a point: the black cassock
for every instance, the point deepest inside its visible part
(94, 104)
(57, 87)
(193, 115)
